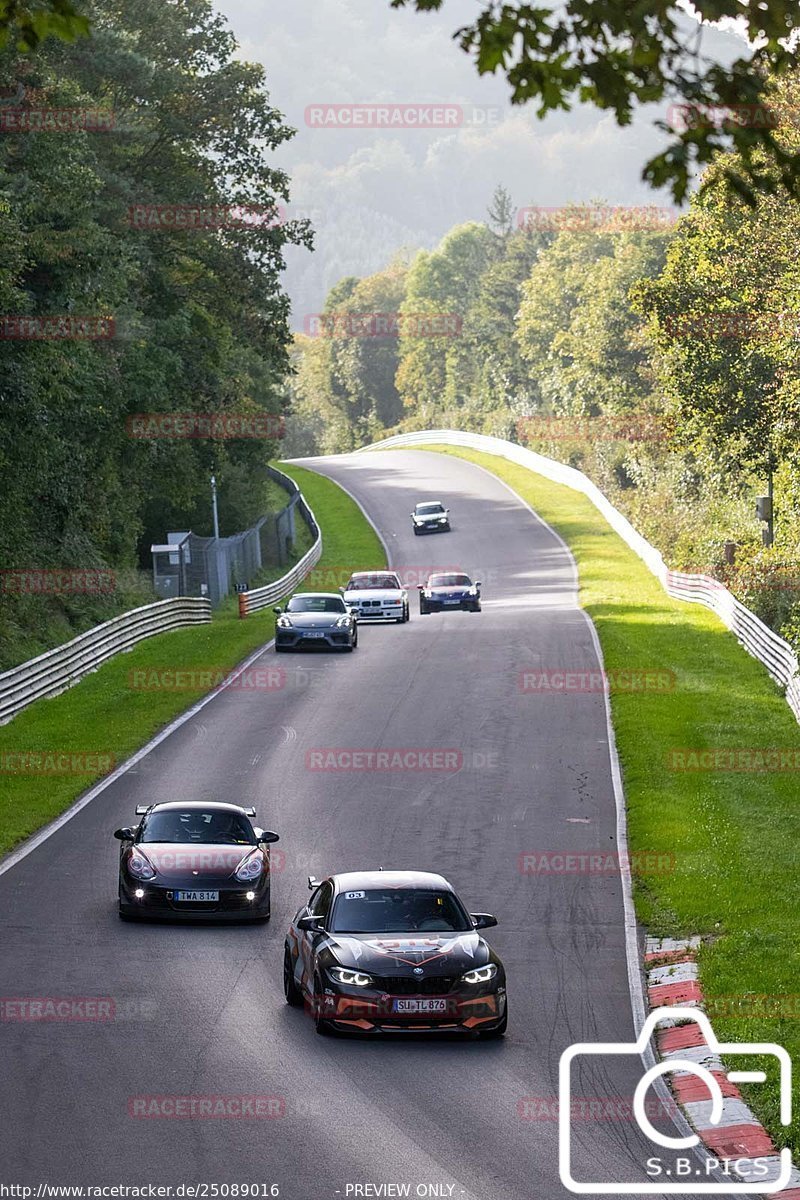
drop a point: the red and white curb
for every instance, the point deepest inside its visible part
(739, 1137)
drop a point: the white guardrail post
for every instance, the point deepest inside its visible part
(58, 669)
(757, 638)
(252, 601)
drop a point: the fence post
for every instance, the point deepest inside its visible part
(244, 605)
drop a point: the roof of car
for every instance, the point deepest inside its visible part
(371, 574)
(351, 880)
(202, 805)
(421, 502)
(320, 595)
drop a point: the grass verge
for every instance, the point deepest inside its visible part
(110, 714)
(732, 836)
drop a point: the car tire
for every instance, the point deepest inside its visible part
(125, 915)
(280, 649)
(416, 532)
(294, 997)
(406, 614)
(423, 609)
(499, 1030)
(321, 1026)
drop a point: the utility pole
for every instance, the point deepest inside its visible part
(214, 505)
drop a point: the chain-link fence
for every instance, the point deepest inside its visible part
(188, 565)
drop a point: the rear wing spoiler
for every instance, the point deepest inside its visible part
(143, 809)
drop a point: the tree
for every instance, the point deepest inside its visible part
(200, 318)
(615, 54)
(440, 289)
(30, 24)
(501, 212)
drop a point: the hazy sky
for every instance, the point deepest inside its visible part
(371, 192)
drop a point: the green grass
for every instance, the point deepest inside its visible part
(734, 836)
(105, 713)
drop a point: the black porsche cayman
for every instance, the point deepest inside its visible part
(194, 859)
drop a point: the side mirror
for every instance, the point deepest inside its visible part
(277, 610)
(124, 835)
(342, 590)
(311, 924)
(266, 835)
(420, 587)
(313, 882)
(483, 920)
(477, 583)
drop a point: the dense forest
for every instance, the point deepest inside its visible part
(171, 314)
(657, 353)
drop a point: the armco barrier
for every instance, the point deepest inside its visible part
(262, 597)
(58, 669)
(756, 637)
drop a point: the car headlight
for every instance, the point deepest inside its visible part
(442, 520)
(480, 974)
(283, 623)
(354, 978)
(250, 868)
(344, 621)
(140, 867)
(388, 602)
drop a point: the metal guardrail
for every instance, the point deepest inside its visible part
(258, 598)
(757, 638)
(57, 669)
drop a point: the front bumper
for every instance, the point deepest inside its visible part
(433, 527)
(376, 611)
(158, 901)
(299, 639)
(348, 1009)
(466, 604)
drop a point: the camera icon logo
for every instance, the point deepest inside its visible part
(762, 1180)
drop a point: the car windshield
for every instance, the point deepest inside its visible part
(399, 910)
(429, 510)
(198, 826)
(449, 581)
(316, 604)
(364, 583)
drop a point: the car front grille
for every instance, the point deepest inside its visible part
(415, 985)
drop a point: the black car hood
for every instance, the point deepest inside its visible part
(383, 954)
(192, 864)
(460, 589)
(314, 620)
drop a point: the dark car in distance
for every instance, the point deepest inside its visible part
(430, 516)
(315, 619)
(195, 859)
(448, 589)
(393, 952)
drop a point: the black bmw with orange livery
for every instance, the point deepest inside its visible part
(393, 952)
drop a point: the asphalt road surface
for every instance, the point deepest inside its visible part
(199, 1011)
